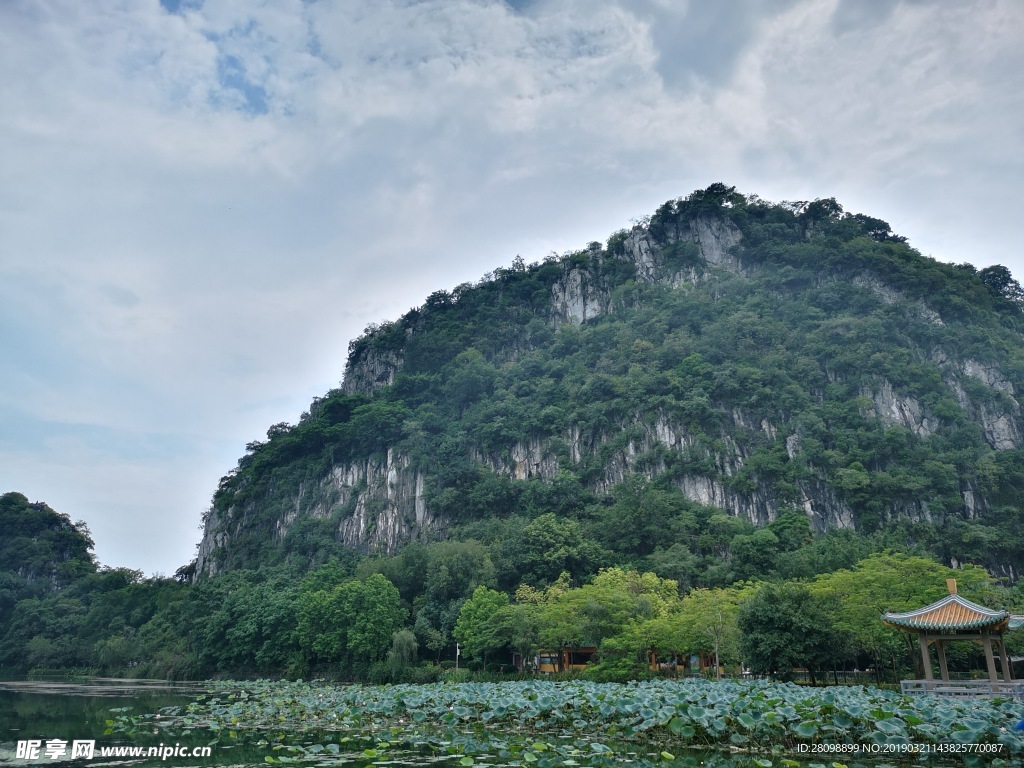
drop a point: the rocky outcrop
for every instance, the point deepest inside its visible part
(579, 296)
(389, 504)
(894, 408)
(890, 295)
(998, 413)
(371, 369)
(758, 506)
(823, 506)
(1002, 429)
(793, 448)
(641, 250)
(717, 237)
(523, 461)
(213, 545)
(989, 375)
(971, 502)
(916, 511)
(380, 503)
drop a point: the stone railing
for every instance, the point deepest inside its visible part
(1011, 690)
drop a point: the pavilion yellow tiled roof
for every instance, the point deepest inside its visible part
(950, 613)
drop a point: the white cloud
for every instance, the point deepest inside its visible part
(200, 208)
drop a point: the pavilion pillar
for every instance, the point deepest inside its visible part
(990, 662)
(1004, 660)
(940, 648)
(926, 659)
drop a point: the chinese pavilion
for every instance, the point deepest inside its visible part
(955, 618)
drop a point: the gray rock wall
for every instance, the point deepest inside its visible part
(579, 296)
(893, 408)
(372, 369)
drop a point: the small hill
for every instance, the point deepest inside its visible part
(41, 551)
(725, 381)
(40, 544)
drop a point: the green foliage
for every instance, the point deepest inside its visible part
(538, 552)
(1000, 282)
(110, 621)
(887, 582)
(403, 653)
(786, 626)
(249, 624)
(41, 549)
(474, 618)
(643, 516)
(589, 614)
(434, 580)
(708, 622)
(354, 623)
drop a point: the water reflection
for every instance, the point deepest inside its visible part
(71, 710)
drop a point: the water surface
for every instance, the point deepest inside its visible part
(69, 710)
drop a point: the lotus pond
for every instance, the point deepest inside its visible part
(542, 724)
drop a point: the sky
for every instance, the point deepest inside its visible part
(203, 201)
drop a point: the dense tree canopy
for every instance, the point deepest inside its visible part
(785, 627)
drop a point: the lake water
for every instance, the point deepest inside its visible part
(42, 713)
(50, 712)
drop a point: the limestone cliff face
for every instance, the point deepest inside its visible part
(523, 461)
(213, 546)
(579, 296)
(716, 240)
(759, 505)
(895, 408)
(378, 504)
(388, 501)
(582, 295)
(369, 369)
(993, 405)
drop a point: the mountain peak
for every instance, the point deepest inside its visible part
(738, 355)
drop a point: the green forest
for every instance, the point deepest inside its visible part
(397, 619)
(815, 426)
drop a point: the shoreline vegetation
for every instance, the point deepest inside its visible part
(336, 625)
(546, 723)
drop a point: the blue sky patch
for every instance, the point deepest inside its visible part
(231, 73)
(178, 6)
